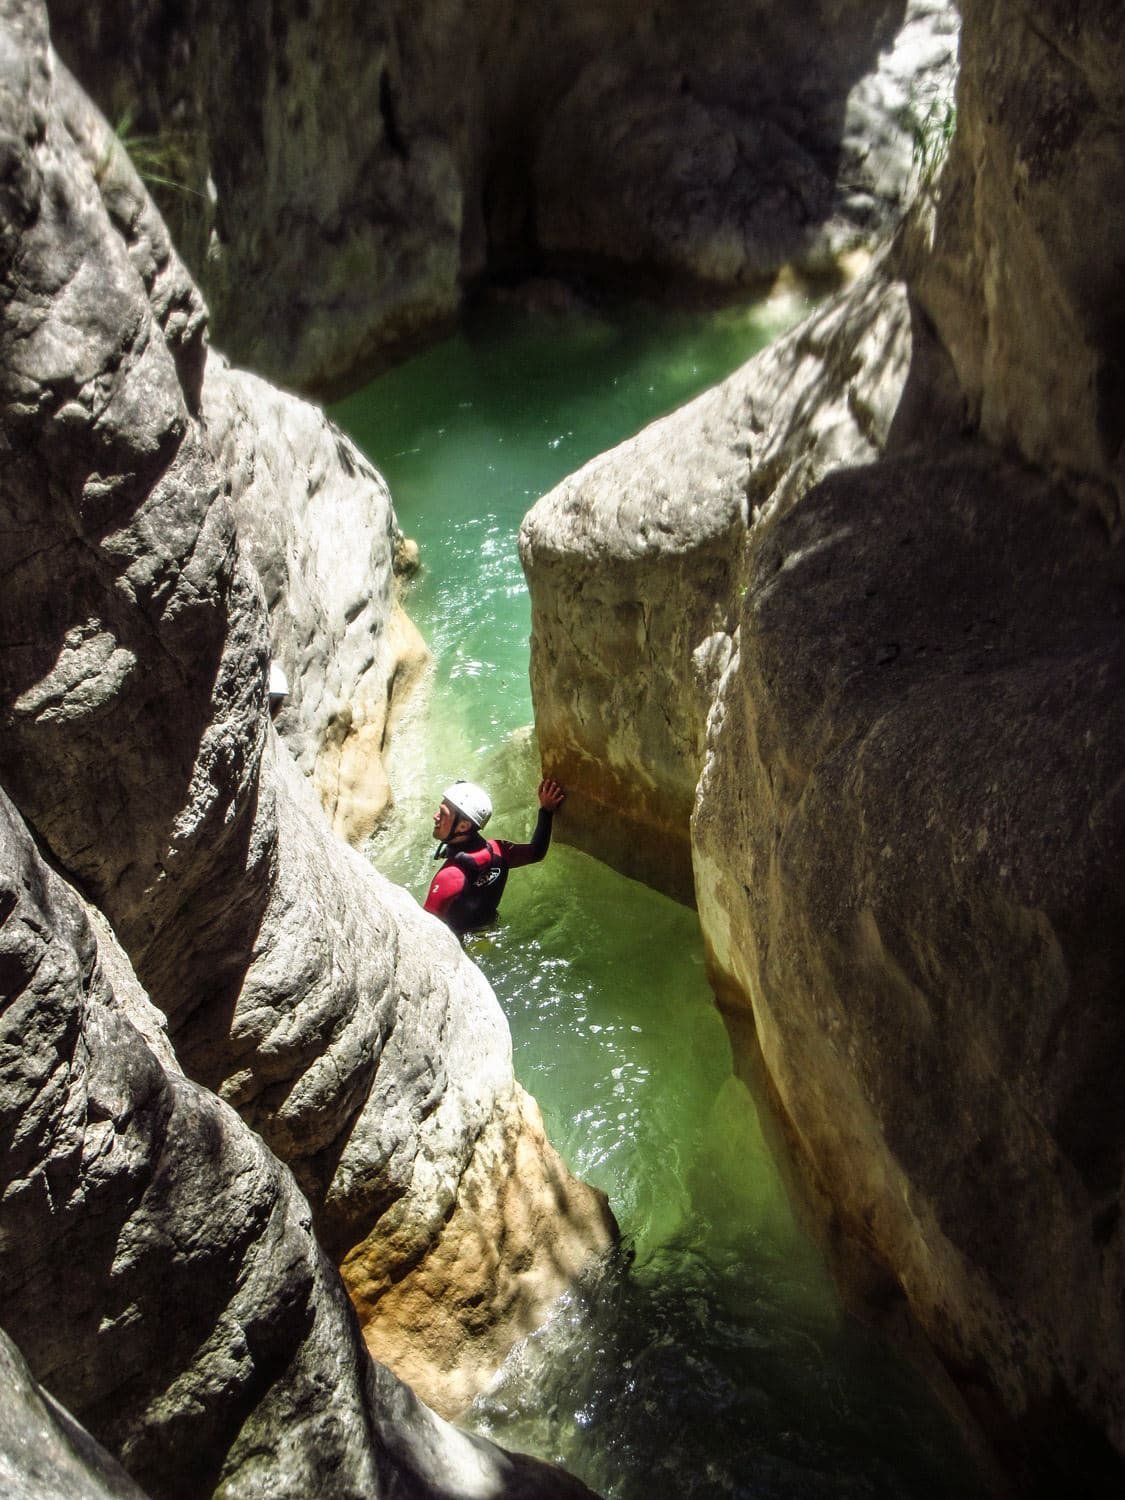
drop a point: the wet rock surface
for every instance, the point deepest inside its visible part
(44, 1453)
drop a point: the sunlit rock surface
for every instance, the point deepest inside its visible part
(314, 517)
(343, 172)
(519, 1232)
(158, 1267)
(345, 1025)
(316, 521)
(636, 568)
(909, 833)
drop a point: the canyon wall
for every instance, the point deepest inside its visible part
(860, 607)
(223, 1033)
(341, 173)
(316, 521)
(636, 566)
(866, 599)
(159, 1269)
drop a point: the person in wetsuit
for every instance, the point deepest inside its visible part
(465, 893)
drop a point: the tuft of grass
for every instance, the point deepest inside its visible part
(162, 160)
(932, 133)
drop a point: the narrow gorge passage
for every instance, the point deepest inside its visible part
(715, 1359)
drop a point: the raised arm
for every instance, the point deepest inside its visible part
(551, 798)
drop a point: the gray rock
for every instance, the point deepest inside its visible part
(346, 1025)
(373, 1057)
(158, 1267)
(909, 841)
(1023, 280)
(345, 171)
(908, 833)
(675, 170)
(316, 520)
(635, 567)
(44, 1453)
(172, 295)
(672, 182)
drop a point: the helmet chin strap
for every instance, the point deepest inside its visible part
(456, 841)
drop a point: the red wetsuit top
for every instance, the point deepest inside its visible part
(465, 893)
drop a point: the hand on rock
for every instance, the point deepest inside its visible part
(551, 794)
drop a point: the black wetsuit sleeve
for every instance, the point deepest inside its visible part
(533, 852)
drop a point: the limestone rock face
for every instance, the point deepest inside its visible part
(350, 168)
(151, 1280)
(158, 1266)
(345, 1025)
(909, 831)
(635, 568)
(909, 844)
(688, 174)
(519, 1232)
(370, 1053)
(316, 521)
(1024, 282)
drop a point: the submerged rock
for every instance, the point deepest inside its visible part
(345, 1025)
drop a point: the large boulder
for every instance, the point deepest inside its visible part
(158, 1268)
(337, 175)
(372, 1055)
(909, 854)
(344, 1024)
(636, 567)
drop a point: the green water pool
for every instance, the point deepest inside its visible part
(713, 1359)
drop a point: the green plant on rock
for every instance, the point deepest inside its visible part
(163, 160)
(931, 132)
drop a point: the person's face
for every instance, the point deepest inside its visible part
(445, 821)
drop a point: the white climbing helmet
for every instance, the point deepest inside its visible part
(472, 802)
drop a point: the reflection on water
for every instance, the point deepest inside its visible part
(711, 1358)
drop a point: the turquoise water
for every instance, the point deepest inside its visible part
(712, 1359)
